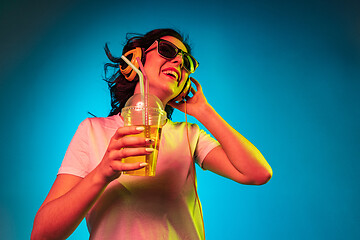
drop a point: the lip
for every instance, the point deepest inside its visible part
(173, 70)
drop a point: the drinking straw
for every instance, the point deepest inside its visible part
(146, 91)
(141, 77)
(144, 73)
(141, 80)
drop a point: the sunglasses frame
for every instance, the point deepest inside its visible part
(195, 63)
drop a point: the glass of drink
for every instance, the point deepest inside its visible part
(146, 111)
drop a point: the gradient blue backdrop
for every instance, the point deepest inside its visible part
(284, 73)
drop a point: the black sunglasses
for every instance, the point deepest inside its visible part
(168, 50)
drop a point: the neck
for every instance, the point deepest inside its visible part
(164, 101)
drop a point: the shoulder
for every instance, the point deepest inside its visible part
(181, 125)
(112, 122)
(181, 129)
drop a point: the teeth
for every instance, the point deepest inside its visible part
(173, 73)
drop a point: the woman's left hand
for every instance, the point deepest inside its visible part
(194, 103)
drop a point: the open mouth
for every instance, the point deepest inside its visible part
(171, 73)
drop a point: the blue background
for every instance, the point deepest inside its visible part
(285, 74)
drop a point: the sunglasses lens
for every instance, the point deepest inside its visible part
(188, 63)
(167, 50)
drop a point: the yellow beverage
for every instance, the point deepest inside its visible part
(153, 132)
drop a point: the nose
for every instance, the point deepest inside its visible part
(178, 59)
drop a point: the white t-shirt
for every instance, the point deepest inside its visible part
(135, 207)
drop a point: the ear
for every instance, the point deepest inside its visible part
(125, 69)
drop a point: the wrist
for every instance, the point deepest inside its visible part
(98, 178)
(204, 112)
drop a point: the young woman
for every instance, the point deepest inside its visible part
(90, 184)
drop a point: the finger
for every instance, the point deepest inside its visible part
(192, 90)
(197, 84)
(131, 141)
(130, 152)
(123, 131)
(119, 166)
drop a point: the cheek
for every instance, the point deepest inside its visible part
(184, 76)
(150, 71)
(152, 66)
(183, 82)
(147, 68)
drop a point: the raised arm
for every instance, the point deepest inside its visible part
(237, 158)
(71, 197)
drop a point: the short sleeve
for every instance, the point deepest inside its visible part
(76, 158)
(205, 144)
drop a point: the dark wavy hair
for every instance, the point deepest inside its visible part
(120, 88)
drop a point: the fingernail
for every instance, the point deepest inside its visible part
(143, 164)
(149, 149)
(140, 128)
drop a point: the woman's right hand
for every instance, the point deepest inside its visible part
(121, 146)
(78, 194)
